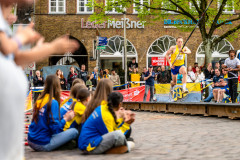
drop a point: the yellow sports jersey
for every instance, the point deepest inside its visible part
(79, 109)
(180, 58)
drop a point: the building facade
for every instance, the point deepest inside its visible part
(148, 43)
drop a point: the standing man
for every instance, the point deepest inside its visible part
(149, 78)
(38, 80)
(132, 65)
(232, 65)
(163, 76)
(83, 74)
(114, 77)
(178, 66)
(71, 76)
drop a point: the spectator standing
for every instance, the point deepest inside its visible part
(199, 75)
(95, 70)
(190, 75)
(71, 76)
(149, 84)
(114, 77)
(232, 65)
(102, 75)
(83, 73)
(163, 76)
(59, 74)
(132, 64)
(38, 80)
(94, 82)
(89, 82)
(209, 72)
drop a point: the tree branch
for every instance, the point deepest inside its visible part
(184, 11)
(230, 20)
(196, 6)
(213, 27)
(225, 35)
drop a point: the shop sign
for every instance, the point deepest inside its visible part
(101, 47)
(184, 22)
(113, 24)
(102, 41)
(159, 61)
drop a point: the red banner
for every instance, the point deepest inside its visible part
(159, 61)
(134, 94)
(64, 95)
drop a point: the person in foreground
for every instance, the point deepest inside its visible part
(104, 131)
(46, 130)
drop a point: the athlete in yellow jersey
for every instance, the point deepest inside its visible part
(178, 66)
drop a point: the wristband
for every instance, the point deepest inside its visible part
(18, 42)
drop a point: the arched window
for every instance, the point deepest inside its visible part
(219, 52)
(115, 46)
(158, 49)
(112, 56)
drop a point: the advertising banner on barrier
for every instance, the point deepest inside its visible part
(29, 103)
(134, 94)
(64, 95)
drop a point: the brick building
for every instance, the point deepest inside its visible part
(54, 18)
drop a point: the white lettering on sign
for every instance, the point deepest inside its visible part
(113, 24)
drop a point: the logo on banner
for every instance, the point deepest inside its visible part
(160, 61)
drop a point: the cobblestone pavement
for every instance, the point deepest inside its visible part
(169, 137)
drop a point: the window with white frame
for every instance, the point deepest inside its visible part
(228, 8)
(112, 7)
(138, 5)
(192, 7)
(82, 6)
(220, 51)
(168, 5)
(57, 6)
(158, 49)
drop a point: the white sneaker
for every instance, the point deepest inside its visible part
(130, 145)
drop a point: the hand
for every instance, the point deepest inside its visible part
(230, 69)
(69, 116)
(129, 117)
(64, 44)
(62, 82)
(27, 35)
(39, 78)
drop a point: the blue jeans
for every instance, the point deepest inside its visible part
(147, 87)
(56, 141)
(210, 97)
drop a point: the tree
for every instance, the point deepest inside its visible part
(213, 20)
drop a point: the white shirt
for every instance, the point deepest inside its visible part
(13, 84)
(232, 64)
(190, 77)
(199, 77)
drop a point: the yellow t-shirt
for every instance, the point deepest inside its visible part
(180, 58)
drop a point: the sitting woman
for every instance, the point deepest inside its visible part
(46, 130)
(225, 90)
(83, 96)
(102, 132)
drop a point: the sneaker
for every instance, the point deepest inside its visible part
(184, 91)
(130, 145)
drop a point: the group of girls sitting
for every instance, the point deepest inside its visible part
(98, 123)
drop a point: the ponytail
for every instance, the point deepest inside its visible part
(114, 99)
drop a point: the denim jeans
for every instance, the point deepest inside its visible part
(56, 141)
(147, 87)
(210, 96)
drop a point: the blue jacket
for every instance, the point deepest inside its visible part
(40, 133)
(99, 123)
